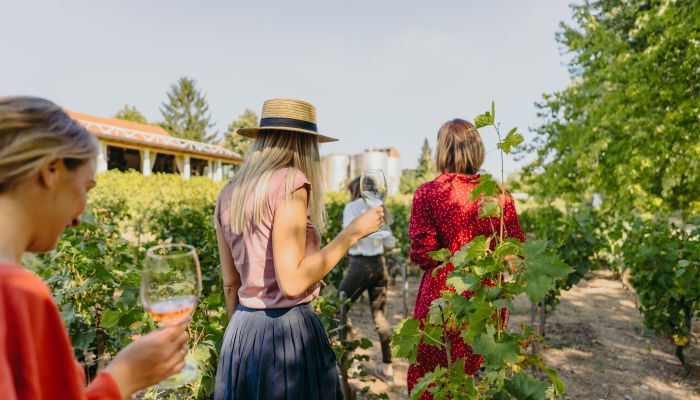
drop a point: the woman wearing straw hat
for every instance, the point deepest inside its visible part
(268, 219)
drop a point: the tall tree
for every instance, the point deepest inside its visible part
(130, 113)
(234, 141)
(426, 167)
(424, 172)
(627, 126)
(186, 112)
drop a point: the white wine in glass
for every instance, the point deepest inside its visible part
(171, 284)
(373, 190)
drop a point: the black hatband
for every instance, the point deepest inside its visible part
(288, 123)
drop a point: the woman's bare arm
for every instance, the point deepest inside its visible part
(232, 279)
(295, 271)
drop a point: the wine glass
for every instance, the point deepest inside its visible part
(373, 190)
(171, 284)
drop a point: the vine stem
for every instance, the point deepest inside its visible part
(447, 343)
(503, 181)
(499, 326)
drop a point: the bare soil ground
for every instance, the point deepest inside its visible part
(595, 338)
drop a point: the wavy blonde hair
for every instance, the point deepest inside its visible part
(272, 151)
(34, 131)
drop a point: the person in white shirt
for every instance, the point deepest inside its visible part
(368, 271)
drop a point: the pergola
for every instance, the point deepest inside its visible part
(123, 142)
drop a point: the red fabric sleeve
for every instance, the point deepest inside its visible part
(422, 231)
(36, 358)
(103, 387)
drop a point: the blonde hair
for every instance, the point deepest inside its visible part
(34, 131)
(272, 151)
(459, 148)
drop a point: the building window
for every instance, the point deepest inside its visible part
(165, 163)
(123, 159)
(199, 167)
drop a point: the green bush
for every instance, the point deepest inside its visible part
(664, 264)
(574, 235)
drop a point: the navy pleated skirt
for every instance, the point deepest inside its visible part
(276, 354)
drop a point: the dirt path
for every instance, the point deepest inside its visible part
(595, 339)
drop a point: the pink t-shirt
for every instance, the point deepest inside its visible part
(252, 250)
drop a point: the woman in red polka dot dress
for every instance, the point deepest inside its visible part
(443, 217)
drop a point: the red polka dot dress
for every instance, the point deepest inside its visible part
(443, 217)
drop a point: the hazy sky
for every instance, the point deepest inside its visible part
(381, 73)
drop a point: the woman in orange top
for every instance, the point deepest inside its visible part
(47, 166)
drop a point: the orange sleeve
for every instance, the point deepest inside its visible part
(36, 358)
(103, 387)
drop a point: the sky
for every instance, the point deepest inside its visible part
(380, 73)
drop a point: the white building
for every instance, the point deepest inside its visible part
(339, 169)
(146, 148)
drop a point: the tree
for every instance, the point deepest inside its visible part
(426, 167)
(234, 141)
(412, 178)
(186, 112)
(627, 126)
(130, 113)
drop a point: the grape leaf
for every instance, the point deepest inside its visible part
(525, 387)
(477, 320)
(426, 381)
(477, 248)
(495, 353)
(512, 139)
(537, 286)
(110, 318)
(543, 268)
(462, 282)
(405, 341)
(487, 186)
(440, 255)
(433, 335)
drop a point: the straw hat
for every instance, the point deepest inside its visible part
(287, 115)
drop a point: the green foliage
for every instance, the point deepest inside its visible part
(94, 276)
(328, 306)
(234, 141)
(525, 387)
(130, 113)
(335, 204)
(424, 172)
(577, 236)
(491, 271)
(627, 127)
(426, 167)
(186, 112)
(544, 268)
(512, 140)
(95, 271)
(406, 341)
(664, 263)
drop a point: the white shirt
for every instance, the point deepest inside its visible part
(366, 246)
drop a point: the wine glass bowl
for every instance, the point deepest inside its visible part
(373, 190)
(171, 283)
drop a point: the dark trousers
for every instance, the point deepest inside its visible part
(370, 273)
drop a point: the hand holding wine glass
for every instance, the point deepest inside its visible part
(170, 288)
(149, 359)
(373, 190)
